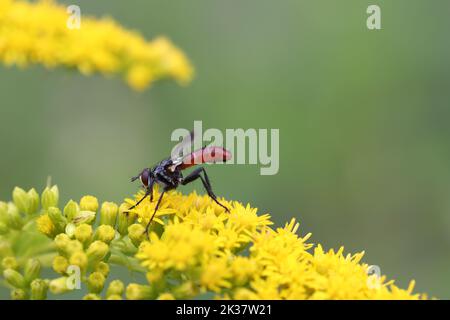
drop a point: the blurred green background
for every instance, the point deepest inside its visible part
(363, 118)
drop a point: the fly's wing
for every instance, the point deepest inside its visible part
(209, 154)
(183, 148)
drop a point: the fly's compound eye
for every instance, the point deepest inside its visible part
(144, 177)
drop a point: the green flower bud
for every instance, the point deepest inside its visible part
(108, 213)
(91, 296)
(33, 198)
(95, 282)
(32, 270)
(103, 268)
(89, 203)
(10, 263)
(18, 294)
(21, 199)
(84, 217)
(97, 251)
(59, 285)
(140, 292)
(114, 297)
(60, 264)
(71, 210)
(136, 233)
(105, 233)
(50, 197)
(125, 219)
(14, 278)
(13, 217)
(5, 248)
(58, 220)
(39, 289)
(83, 233)
(80, 259)
(116, 287)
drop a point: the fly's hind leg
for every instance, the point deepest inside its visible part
(196, 174)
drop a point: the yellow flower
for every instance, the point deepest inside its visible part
(214, 275)
(37, 33)
(45, 225)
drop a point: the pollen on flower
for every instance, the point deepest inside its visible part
(45, 225)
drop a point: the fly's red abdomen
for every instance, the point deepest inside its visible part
(206, 155)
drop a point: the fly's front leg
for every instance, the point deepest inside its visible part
(194, 175)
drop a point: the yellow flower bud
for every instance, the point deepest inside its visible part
(102, 267)
(116, 287)
(33, 198)
(154, 275)
(60, 264)
(18, 294)
(58, 220)
(61, 242)
(97, 251)
(70, 229)
(114, 297)
(72, 247)
(59, 285)
(32, 269)
(14, 278)
(105, 233)
(21, 199)
(95, 282)
(71, 209)
(91, 296)
(80, 259)
(83, 233)
(50, 197)
(46, 226)
(10, 263)
(140, 292)
(136, 233)
(89, 203)
(166, 296)
(108, 213)
(125, 219)
(39, 289)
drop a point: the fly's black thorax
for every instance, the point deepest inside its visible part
(167, 174)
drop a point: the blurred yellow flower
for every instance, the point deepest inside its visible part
(37, 33)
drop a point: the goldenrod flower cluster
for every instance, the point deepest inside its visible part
(38, 33)
(194, 249)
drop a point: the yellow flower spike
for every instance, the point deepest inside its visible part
(115, 288)
(108, 213)
(83, 233)
(95, 282)
(105, 233)
(36, 33)
(10, 263)
(45, 225)
(103, 268)
(60, 264)
(89, 203)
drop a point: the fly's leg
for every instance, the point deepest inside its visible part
(194, 175)
(154, 212)
(149, 192)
